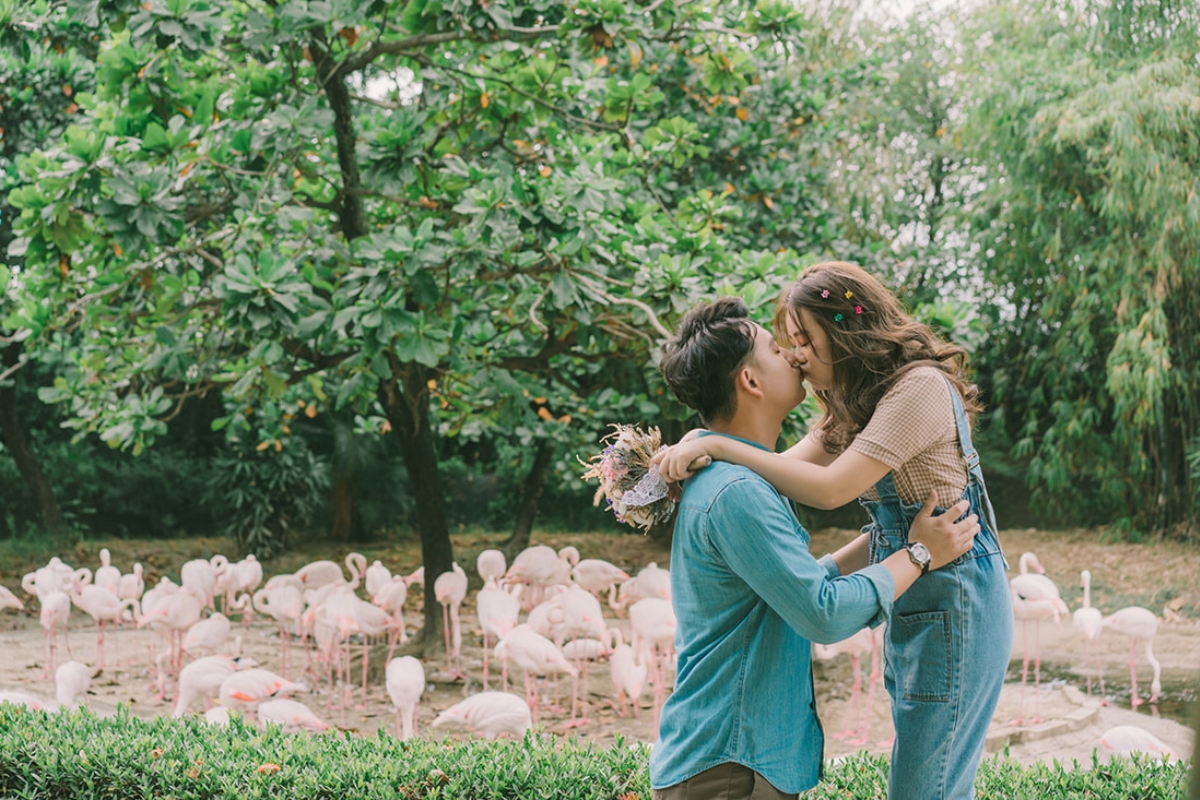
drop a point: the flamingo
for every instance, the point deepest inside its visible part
(856, 646)
(651, 581)
(599, 576)
(203, 678)
(30, 701)
(491, 565)
(54, 577)
(391, 599)
(132, 585)
(107, 576)
(1089, 622)
(207, 635)
(1035, 599)
(628, 675)
(372, 621)
(653, 622)
(376, 578)
(199, 576)
(499, 612)
(217, 715)
(489, 714)
(320, 573)
(285, 604)
(582, 616)
(55, 613)
(1140, 625)
(1125, 740)
(540, 566)
(535, 655)
(72, 680)
(292, 715)
(405, 679)
(450, 588)
(176, 613)
(245, 689)
(104, 607)
(10, 600)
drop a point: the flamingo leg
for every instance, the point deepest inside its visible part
(1136, 701)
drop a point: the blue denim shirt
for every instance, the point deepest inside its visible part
(750, 599)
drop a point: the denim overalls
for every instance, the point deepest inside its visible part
(947, 646)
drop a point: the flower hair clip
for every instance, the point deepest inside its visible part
(825, 293)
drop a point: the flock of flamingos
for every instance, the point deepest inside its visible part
(318, 609)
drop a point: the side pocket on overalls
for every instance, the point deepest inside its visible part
(922, 663)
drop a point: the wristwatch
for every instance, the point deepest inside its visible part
(919, 555)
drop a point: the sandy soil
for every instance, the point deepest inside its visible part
(1157, 576)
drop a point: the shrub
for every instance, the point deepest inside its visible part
(78, 755)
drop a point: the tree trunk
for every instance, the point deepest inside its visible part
(342, 524)
(534, 483)
(13, 434)
(406, 403)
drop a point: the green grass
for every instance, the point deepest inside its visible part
(80, 756)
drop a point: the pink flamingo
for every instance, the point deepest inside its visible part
(651, 581)
(132, 585)
(1140, 625)
(372, 621)
(860, 644)
(72, 681)
(599, 576)
(292, 715)
(653, 623)
(107, 576)
(285, 605)
(536, 656)
(499, 612)
(206, 636)
(1089, 622)
(203, 678)
(582, 617)
(540, 566)
(377, 576)
(405, 681)
(390, 598)
(628, 674)
(450, 588)
(104, 607)
(491, 564)
(10, 600)
(245, 689)
(55, 613)
(320, 573)
(1035, 599)
(489, 714)
(1124, 740)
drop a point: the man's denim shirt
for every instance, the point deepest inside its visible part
(750, 599)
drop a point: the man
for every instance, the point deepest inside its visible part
(749, 597)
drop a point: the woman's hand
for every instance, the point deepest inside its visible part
(681, 460)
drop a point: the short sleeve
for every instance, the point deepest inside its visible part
(914, 415)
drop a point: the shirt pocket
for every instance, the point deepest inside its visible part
(922, 646)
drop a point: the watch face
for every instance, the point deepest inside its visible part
(919, 553)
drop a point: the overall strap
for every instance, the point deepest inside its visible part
(970, 454)
(885, 487)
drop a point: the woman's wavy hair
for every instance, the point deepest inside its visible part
(872, 342)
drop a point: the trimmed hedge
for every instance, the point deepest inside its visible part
(79, 756)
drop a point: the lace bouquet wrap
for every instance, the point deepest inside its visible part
(630, 487)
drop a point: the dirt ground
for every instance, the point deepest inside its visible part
(1162, 576)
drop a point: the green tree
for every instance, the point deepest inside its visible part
(241, 205)
(1083, 122)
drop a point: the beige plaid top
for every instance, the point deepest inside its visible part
(912, 431)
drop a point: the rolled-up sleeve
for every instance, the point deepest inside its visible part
(755, 531)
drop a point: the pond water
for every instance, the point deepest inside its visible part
(1175, 701)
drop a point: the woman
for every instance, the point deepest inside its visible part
(896, 426)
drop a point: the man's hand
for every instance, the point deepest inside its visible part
(946, 536)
